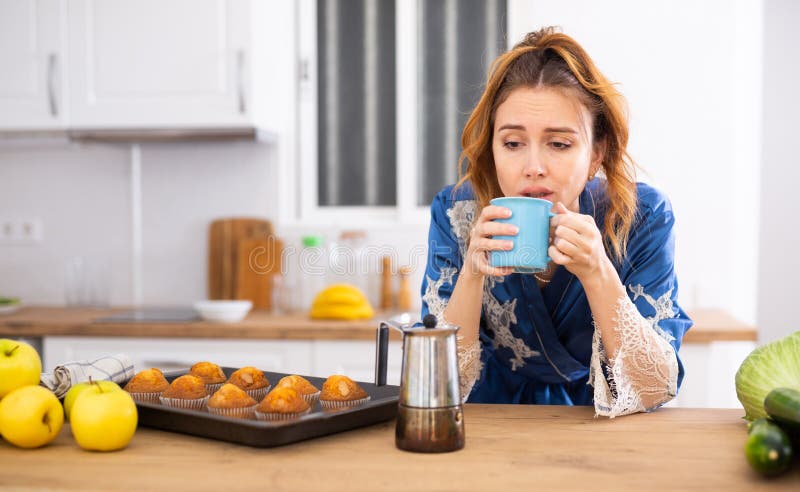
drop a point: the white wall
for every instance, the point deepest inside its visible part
(691, 73)
(779, 235)
(184, 188)
(81, 193)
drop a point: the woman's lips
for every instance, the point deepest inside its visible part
(543, 194)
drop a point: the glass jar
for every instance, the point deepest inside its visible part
(350, 262)
(312, 269)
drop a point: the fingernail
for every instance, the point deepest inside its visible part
(509, 245)
(513, 229)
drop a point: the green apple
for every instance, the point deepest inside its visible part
(20, 365)
(103, 420)
(77, 389)
(30, 416)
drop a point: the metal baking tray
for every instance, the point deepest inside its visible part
(382, 406)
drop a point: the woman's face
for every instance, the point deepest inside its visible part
(542, 146)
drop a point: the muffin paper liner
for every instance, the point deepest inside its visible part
(239, 413)
(213, 387)
(258, 394)
(336, 404)
(274, 416)
(189, 404)
(311, 398)
(145, 397)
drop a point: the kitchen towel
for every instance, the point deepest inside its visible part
(117, 368)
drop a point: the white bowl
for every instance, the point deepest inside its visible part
(223, 311)
(10, 308)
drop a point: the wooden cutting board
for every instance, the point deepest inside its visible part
(258, 261)
(226, 250)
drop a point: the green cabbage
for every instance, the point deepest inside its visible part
(770, 366)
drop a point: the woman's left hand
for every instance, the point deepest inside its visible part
(576, 243)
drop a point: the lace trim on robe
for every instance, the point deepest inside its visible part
(644, 374)
(469, 366)
(469, 357)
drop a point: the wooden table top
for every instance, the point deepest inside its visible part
(709, 325)
(509, 447)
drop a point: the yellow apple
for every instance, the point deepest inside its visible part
(30, 416)
(77, 389)
(103, 420)
(20, 365)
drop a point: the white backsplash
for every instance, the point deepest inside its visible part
(82, 195)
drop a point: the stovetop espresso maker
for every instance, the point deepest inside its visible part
(430, 416)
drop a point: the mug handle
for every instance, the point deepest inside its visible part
(550, 215)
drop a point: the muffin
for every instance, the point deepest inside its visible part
(186, 391)
(231, 401)
(252, 381)
(147, 385)
(340, 391)
(210, 373)
(282, 404)
(303, 386)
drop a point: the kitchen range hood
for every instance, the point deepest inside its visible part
(141, 135)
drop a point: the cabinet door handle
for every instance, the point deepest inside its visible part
(240, 81)
(52, 64)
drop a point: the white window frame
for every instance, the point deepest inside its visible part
(408, 179)
(406, 211)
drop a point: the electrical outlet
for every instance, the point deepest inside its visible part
(21, 231)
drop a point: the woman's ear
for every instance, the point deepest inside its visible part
(598, 155)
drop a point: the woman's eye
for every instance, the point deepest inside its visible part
(512, 145)
(560, 145)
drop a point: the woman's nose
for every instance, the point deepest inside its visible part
(534, 166)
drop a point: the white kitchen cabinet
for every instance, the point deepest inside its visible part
(710, 374)
(32, 88)
(157, 63)
(147, 64)
(181, 353)
(355, 359)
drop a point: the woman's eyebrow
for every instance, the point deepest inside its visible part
(511, 127)
(560, 129)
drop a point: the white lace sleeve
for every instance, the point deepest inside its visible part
(644, 373)
(469, 366)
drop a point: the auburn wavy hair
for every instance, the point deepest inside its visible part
(548, 58)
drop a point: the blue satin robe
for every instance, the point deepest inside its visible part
(537, 343)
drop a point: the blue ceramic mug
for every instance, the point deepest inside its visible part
(532, 218)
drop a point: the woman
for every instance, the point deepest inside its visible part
(604, 312)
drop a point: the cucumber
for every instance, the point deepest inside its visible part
(768, 449)
(783, 406)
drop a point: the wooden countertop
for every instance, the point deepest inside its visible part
(509, 447)
(709, 325)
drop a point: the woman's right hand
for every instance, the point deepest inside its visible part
(481, 243)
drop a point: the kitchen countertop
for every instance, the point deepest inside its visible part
(711, 325)
(509, 447)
